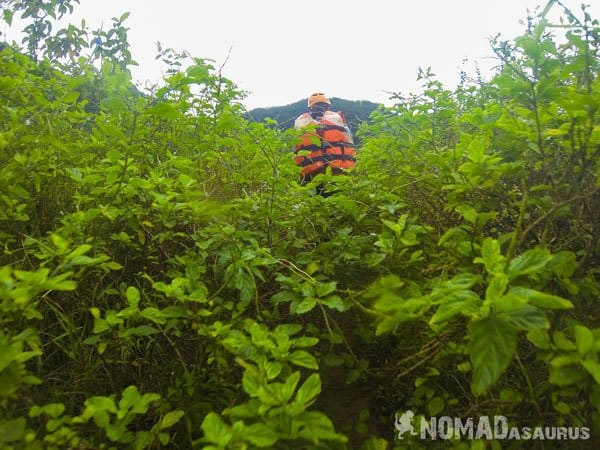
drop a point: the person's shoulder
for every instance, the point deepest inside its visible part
(334, 118)
(303, 120)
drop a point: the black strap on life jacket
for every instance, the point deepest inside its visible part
(325, 126)
(325, 157)
(325, 145)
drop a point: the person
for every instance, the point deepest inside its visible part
(326, 142)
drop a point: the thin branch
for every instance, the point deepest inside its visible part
(543, 217)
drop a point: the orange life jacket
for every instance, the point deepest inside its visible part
(335, 147)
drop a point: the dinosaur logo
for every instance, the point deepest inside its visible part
(404, 423)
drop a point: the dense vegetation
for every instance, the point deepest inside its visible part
(165, 281)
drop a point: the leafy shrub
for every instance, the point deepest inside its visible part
(165, 281)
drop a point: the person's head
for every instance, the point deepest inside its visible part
(318, 103)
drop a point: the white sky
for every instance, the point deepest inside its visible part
(284, 50)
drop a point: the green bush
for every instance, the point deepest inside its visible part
(166, 282)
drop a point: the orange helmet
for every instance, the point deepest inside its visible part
(318, 97)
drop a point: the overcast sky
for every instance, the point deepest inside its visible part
(282, 51)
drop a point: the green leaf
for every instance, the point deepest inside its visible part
(304, 306)
(133, 296)
(561, 342)
(542, 299)
(303, 359)
(304, 341)
(289, 386)
(528, 318)
(316, 427)
(215, 430)
(563, 264)
(468, 212)
(464, 302)
(309, 390)
(593, 368)
(493, 344)
(70, 97)
(334, 302)
(12, 430)
(100, 403)
(8, 16)
(510, 395)
(511, 301)
(260, 435)
(171, 418)
(154, 314)
(496, 287)
(142, 330)
(375, 443)
(531, 261)
(79, 251)
(251, 381)
(584, 340)
(566, 376)
(164, 110)
(324, 289)
(565, 360)
(476, 150)
(100, 326)
(53, 410)
(539, 338)
(435, 406)
(491, 257)
(272, 369)
(130, 397)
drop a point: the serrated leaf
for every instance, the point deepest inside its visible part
(154, 314)
(334, 302)
(468, 212)
(496, 287)
(475, 150)
(304, 341)
(531, 261)
(215, 430)
(304, 306)
(465, 303)
(491, 257)
(528, 318)
(542, 299)
(324, 289)
(303, 359)
(492, 345)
